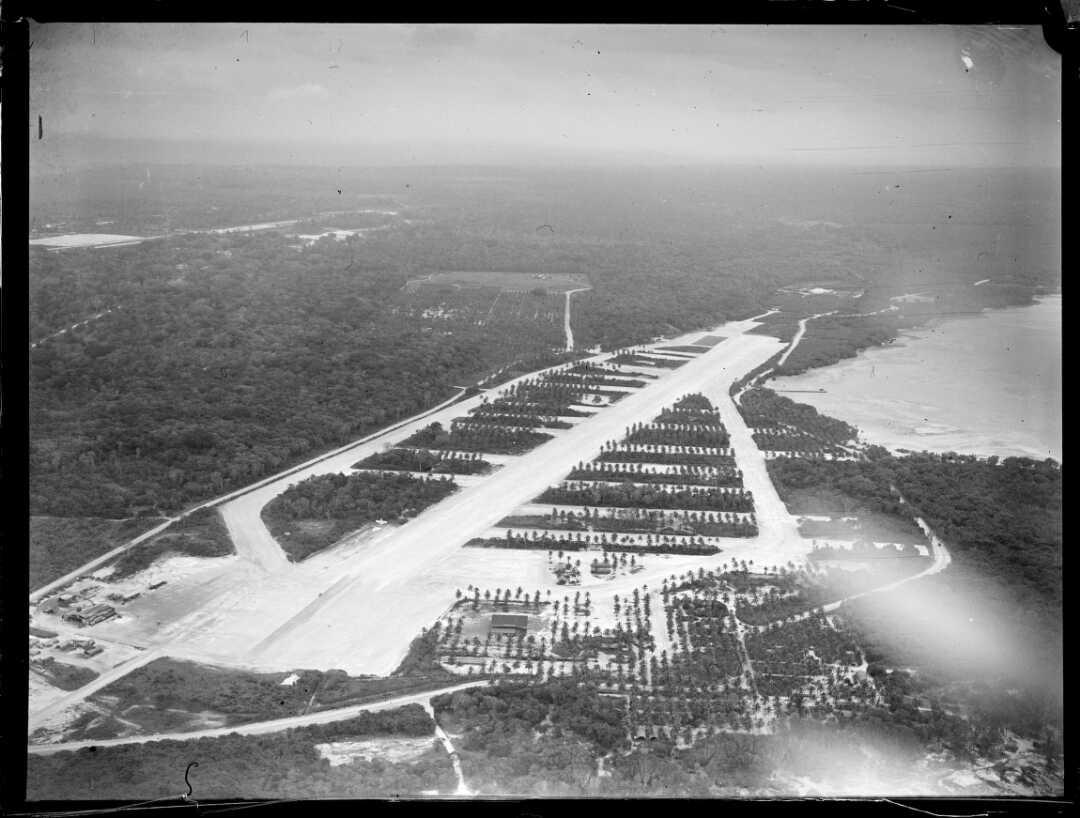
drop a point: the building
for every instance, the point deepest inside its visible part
(41, 633)
(511, 624)
(98, 613)
(91, 615)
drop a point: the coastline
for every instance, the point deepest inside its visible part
(959, 385)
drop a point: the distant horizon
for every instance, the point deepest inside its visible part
(186, 153)
(538, 94)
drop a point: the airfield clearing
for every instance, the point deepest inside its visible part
(397, 579)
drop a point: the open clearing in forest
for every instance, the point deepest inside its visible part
(85, 240)
(508, 282)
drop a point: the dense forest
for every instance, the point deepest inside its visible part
(420, 460)
(465, 437)
(835, 337)
(225, 358)
(221, 358)
(763, 408)
(835, 487)
(1002, 518)
(344, 503)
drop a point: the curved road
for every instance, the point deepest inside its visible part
(799, 335)
(262, 727)
(942, 558)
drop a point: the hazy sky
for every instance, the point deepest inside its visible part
(403, 93)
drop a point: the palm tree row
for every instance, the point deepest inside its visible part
(696, 456)
(724, 476)
(509, 420)
(683, 435)
(624, 496)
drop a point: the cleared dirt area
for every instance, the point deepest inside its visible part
(387, 750)
(85, 240)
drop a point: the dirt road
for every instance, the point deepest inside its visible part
(941, 561)
(566, 318)
(262, 727)
(799, 336)
(75, 326)
(42, 716)
(778, 533)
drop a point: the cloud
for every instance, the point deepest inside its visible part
(309, 90)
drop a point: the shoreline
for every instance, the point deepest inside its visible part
(963, 403)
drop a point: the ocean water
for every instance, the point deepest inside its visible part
(985, 384)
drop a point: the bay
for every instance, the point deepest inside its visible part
(984, 384)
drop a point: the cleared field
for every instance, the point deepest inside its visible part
(509, 282)
(85, 240)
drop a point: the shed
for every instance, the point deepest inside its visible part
(97, 613)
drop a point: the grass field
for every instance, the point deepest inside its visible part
(510, 282)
